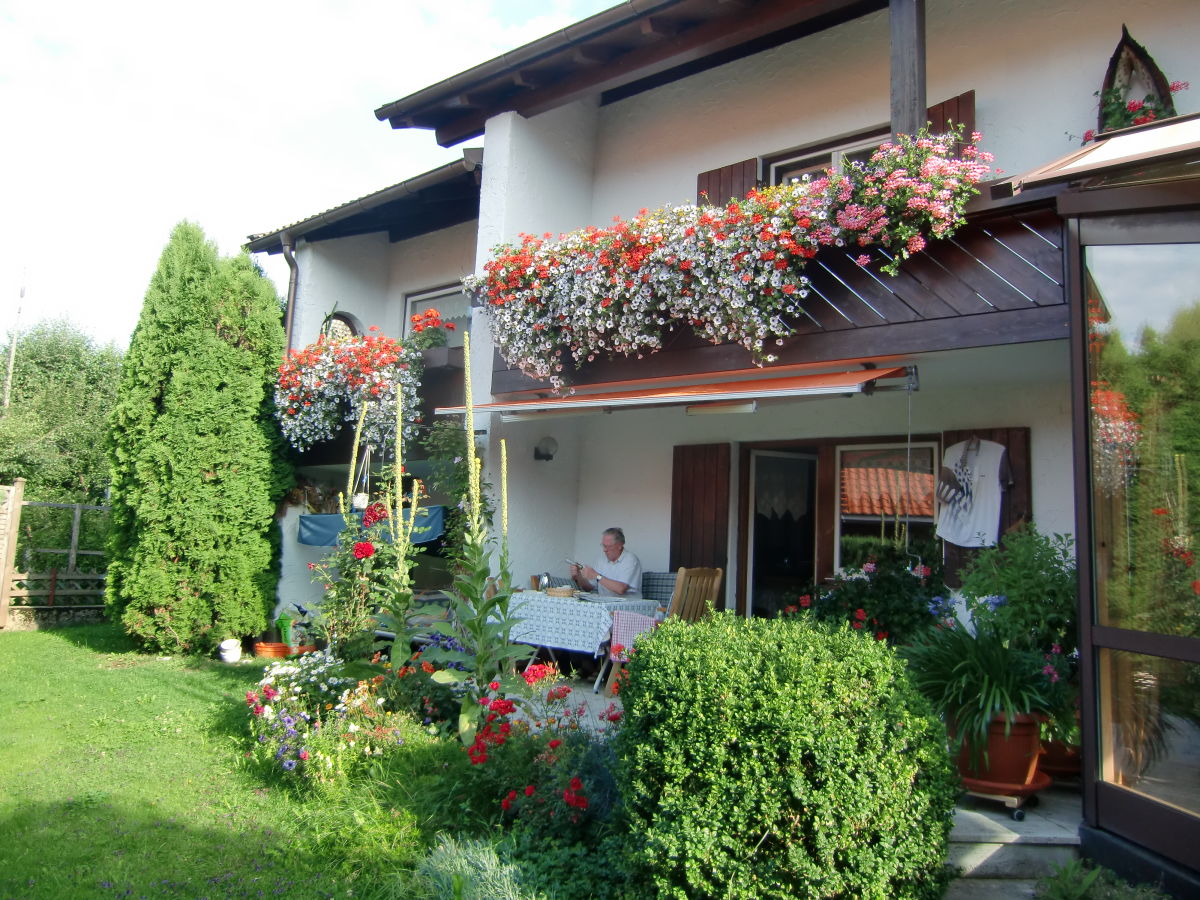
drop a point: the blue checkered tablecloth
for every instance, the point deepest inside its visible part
(566, 623)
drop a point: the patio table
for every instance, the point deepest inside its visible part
(567, 623)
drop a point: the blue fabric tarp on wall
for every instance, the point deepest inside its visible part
(322, 530)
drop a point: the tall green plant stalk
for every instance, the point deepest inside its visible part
(397, 604)
(479, 601)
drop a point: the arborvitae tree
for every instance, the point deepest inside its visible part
(198, 463)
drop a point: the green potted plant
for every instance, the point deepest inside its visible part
(992, 697)
(1025, 589)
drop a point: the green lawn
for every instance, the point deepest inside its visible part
(121, 776)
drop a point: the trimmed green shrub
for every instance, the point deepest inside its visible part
(781, 758)
(197, 460)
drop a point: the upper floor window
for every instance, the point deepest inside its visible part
(339, 327)
(452, 305)
(813, 161)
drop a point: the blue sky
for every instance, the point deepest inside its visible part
(121, 119)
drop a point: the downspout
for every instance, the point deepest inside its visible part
(293, 282)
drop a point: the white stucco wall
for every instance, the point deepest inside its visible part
(624, 458)
(1034, 73)
(351, 272)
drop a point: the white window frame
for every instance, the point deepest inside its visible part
(815, 160)
(431, 295)
(933, 448)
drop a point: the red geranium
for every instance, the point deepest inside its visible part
(363, 549)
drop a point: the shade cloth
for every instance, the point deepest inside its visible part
(322, 530)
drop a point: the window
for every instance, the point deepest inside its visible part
(813, 161)
(885, 497)
(339, 327)
(450, 302)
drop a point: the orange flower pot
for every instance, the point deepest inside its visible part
(273, 650)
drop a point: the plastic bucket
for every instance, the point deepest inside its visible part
(231, 650)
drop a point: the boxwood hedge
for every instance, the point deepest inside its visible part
(781, 758)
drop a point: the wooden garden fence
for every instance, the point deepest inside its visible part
(64, 589)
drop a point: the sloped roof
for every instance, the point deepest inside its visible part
(439, 198)
(875, 491)
(616, 53)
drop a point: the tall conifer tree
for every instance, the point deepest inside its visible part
(198, 463)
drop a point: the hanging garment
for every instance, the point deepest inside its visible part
(973, 476)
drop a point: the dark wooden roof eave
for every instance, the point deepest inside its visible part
(623, 50)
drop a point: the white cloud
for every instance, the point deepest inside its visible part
(121, 119)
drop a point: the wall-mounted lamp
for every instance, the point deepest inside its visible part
(719, 409)
(545, 449)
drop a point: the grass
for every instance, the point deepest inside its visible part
(121, 775)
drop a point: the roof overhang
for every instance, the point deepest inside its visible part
(709, 394)
(621, 51)
(1171, 140)
(439, 198)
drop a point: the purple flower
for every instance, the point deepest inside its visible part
(289, 764)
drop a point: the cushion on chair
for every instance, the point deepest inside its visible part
(658, 586)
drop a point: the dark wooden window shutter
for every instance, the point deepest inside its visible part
(960, 110)
(700, 506)
(718, 186)
(1017, 500)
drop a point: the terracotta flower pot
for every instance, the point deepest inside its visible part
(273, 650)
(1011, 760)
(1060, 760)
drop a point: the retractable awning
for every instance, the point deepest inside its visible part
(849, 382)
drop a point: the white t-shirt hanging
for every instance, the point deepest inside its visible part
(969, 488)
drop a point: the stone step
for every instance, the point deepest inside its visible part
(990, 889)
(986, 843)
(1009, 860)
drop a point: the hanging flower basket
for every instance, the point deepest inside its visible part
(733, 274)
(324, 385)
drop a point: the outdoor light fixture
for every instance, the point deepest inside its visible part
(720, 409)
(545, 449)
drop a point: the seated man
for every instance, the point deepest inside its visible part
(617, 574)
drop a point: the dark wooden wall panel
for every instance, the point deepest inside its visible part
(717, 187)
(700, 506)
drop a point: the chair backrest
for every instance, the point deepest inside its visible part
(659, 586)
(695, 593)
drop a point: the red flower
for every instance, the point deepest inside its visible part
(805, 601)
(363, 550)
(1196, 587)
(493, 685)
(856, 624)
(555, 744)
(860, 614)
(529, 790)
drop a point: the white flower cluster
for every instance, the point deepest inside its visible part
(314, 674)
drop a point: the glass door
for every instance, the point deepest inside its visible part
(1142, 360)
(782, 538)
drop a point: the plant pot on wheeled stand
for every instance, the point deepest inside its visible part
(1006, 768)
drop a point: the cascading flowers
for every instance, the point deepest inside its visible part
(734, 274)
(326, 384)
